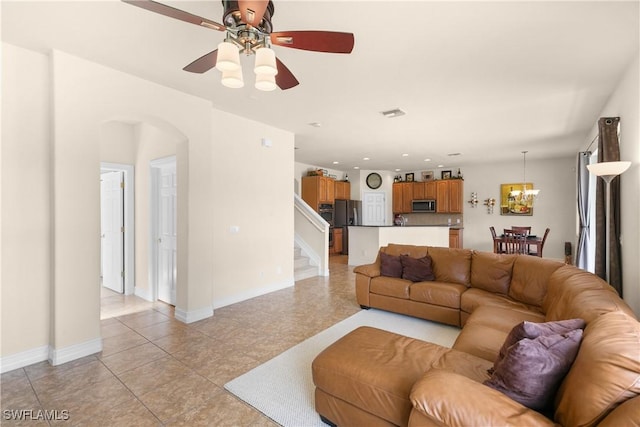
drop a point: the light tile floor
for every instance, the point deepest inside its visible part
(155, 370)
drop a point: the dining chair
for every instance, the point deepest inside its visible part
(521, 229)
(544, 239)
(513, 242)
(497, 245)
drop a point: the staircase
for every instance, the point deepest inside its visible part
(302, 269)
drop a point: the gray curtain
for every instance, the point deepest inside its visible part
(608, 151)
(582, 250)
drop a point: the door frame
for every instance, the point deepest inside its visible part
(129, 222)
(154, 221)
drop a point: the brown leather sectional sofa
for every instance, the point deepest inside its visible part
(377, 378)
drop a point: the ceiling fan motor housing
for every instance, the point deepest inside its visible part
(232, 16)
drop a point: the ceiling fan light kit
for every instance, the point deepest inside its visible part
(228, 57)
(248, 29)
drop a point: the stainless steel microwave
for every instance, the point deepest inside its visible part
(423, 206)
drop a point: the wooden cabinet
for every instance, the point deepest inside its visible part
(455, 238)
(318, 189)
(402, 197)
(342, 190)
(449, 196)
(337, 240)
(424, 190)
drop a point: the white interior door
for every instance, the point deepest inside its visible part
(112, 228)
(373, 208)
(167, 233)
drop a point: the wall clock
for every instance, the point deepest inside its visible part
(374, 181)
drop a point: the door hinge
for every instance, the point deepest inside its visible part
(122, 274)
(121, 184)
(122, 229)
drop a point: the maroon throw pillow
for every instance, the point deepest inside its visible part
(533, 330)
(390, 265)
(417, 269)
(532, 369)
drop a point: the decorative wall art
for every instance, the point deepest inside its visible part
(445, 174)
(427, 175)
(408, 177)
(516, 199)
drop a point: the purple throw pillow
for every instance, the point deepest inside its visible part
(532, 369)
(533, 330)
(417, 269)
(390, 265)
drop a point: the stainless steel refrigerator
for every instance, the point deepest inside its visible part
(347, 212)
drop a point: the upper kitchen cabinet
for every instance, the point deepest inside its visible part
(449, 196)
(318, 189)
(342, 190)
(402, 197)
(424, 190)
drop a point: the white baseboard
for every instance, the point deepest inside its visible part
(243, 296)
(24, 358)
(193, 315)
(145, 294)
(75, 351)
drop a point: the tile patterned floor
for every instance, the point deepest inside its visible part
(155, 370)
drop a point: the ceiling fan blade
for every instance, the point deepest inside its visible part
(252, 11)
(285, 78)
(317, 41)
(203, 64)
(172, 12)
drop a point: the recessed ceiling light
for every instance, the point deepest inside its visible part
(315, 124)
(405, 155)
(365, 158)
(397, 170)
(335, 163)
(440, 166)
(427, 160)
(396, 112)
(356, 167)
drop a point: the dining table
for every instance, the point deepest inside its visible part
(532, 241)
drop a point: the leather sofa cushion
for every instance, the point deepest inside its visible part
(374, 370)
(411, 250)
(530, 278)
(416, 269)
(390, 286)
(438, 293)
(606, 371)
(451, 265)
(488, 327)
(492, 272)
(390, 265)
(474, 298)
(576, 293)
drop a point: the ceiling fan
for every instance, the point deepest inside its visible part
(247, 24)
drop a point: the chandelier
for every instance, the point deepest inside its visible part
(526, 194)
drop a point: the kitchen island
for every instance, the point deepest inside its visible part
(365, 241)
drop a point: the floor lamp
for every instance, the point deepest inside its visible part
(607, 171)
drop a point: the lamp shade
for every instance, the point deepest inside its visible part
(608, 168)
(265, 82)
(228, 58)
(232, 79)
(265, 62)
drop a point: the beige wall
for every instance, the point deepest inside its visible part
(26, 211)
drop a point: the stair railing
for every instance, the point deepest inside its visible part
(312, 235)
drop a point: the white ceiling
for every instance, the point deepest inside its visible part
(485, 79)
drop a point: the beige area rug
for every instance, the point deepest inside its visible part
(282, 388)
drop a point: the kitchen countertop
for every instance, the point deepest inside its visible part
(456, 226)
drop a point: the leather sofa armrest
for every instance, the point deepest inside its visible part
(369, 270)
(447, 398)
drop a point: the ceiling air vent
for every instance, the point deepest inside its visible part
(396, 112)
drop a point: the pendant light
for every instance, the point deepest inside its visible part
(232, 79)
(228, 58)
(526, 193)
(265, 82)
(265, 62)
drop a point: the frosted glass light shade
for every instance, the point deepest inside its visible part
(608, 168)
(265, 82)
(228, 58)
(232, 79)
(265, 62)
